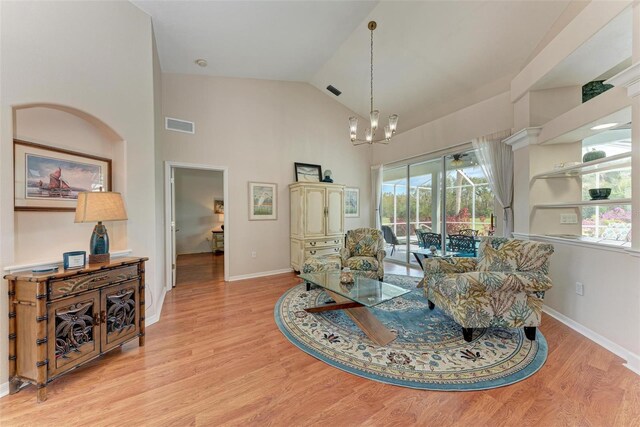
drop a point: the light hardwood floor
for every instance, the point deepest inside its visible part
(216, 357)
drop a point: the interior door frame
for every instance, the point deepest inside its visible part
(169, 167)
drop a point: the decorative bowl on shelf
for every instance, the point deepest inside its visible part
(599, 193)
(592, 155)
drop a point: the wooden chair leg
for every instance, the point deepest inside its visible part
(431, 305)
(530, 332)
(467, 334)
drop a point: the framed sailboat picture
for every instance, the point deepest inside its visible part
(49, 178)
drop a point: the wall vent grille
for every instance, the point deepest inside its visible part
(179, 125)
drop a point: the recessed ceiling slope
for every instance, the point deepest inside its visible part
(433, 58)
(275, 40)
(608, 50)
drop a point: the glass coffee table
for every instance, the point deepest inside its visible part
(355, 299)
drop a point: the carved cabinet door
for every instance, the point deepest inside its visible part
(120, 315)
(74, 328)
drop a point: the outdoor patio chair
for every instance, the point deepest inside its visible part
(432, 239)
(464, 245)
(390, 237)
(468, 232)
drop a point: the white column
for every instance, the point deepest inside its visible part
(520, 142)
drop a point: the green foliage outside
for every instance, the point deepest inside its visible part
(459, 202)
(611, 222)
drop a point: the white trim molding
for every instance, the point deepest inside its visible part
(4, 389)
(158, 310)
(629, 78)
(633, 252)
(523, 138)
(260, 274)
(632, 360)
(168, 167)
(578, 242)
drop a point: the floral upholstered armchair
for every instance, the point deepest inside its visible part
(503, 287)
(364, 252)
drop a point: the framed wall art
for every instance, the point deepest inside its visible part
(351, 202)
(306, 172)
(263, 201)
(218, 206)
(49, 178)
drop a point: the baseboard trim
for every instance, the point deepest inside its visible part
(632, 360)
(260, 274)
(156, 316)
(4, 389)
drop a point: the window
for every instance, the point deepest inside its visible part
(413, 197)
(469, 199)
(609, 223)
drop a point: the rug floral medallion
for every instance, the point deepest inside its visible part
(429, 352)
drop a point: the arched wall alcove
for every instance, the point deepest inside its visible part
(44, 235)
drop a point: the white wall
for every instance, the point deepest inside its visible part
(161, 277)
(95, 57)
(492, 115)
(195, 191)
(258, 129)
(611, 282)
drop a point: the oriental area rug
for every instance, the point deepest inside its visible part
(429, 352)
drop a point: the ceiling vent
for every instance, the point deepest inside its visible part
(179, 125)
(333, 90)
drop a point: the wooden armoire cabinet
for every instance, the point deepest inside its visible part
(317, 220)
(59, 321)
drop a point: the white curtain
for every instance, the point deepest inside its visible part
(496, 160)
(376, 193)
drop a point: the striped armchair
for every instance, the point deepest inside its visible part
(503, 287)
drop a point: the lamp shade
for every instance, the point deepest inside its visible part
(100, 206)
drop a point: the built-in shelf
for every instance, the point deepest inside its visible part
(612, 106)
(618, 161)
(582, 203)
(590, 242)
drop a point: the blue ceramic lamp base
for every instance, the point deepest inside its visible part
(99, 245)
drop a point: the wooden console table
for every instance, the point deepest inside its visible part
(59, 321)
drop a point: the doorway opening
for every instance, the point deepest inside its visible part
(197, 241)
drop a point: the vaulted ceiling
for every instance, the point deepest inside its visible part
(431, 58)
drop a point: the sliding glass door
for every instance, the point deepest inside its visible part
(394, 212)
(443, 196)
(469, 198)
(425, 197)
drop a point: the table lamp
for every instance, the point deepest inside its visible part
(98, 207)
(220, 218)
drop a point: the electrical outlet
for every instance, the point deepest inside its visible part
(568, 218)
(253, 254)
(579, 288)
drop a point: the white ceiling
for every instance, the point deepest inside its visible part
(431, 57)
(275, 40)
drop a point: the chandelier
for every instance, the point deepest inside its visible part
(374, 115)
